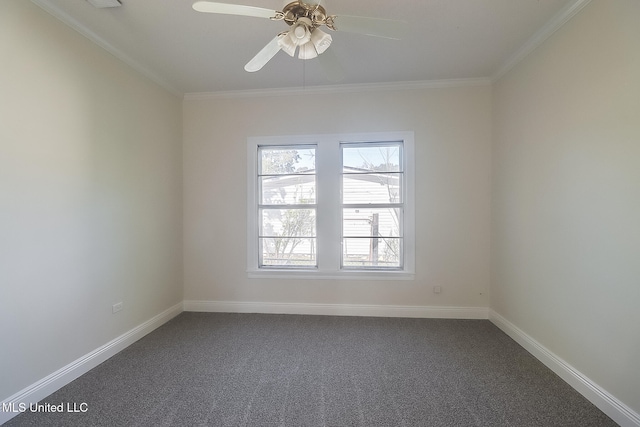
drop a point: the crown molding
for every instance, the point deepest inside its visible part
(340, 89)
(65, 18)
(553, 25)
(528, 47)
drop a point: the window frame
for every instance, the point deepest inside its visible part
(329, 207)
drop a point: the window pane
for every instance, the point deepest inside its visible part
(374, 158)
(288, 252)
(372, 188)
(282, 161)
(372, 252)
(374, 222)
(288, 223)
(288, 189)
(287, 237)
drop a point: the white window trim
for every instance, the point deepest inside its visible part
(330, 252)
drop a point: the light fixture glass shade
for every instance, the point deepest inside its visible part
(287, 44)
(307, 51)
(299, 34)
(321, 40)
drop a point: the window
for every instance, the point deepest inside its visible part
(372, 205)
(331, 206)
(287, 206)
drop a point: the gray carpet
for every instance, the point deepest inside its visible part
(284, 370)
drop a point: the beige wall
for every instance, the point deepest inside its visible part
(566, 196)
(91, 185)
(452, 146)
(90, 196)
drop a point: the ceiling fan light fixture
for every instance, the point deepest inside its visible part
(300, 33)
(287, 44)
(321, 40)
(307, 51)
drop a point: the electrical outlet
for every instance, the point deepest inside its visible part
(117, 307)
(437, 289)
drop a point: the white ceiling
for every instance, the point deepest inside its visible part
(190, 52)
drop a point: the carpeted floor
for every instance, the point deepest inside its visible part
(284, 370)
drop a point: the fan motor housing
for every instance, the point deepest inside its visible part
(297, 9)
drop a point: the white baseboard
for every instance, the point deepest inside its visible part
(616, 410)
(607, 403)
(73, 370)
(338, 309)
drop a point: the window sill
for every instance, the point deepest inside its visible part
(330, 275)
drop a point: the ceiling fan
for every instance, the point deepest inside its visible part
(304, 34)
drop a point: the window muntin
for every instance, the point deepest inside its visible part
(372, 205)
(331, 183)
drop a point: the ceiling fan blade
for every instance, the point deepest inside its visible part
(386, 28)
(264, 56)
(233, 9)
(331, 66)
